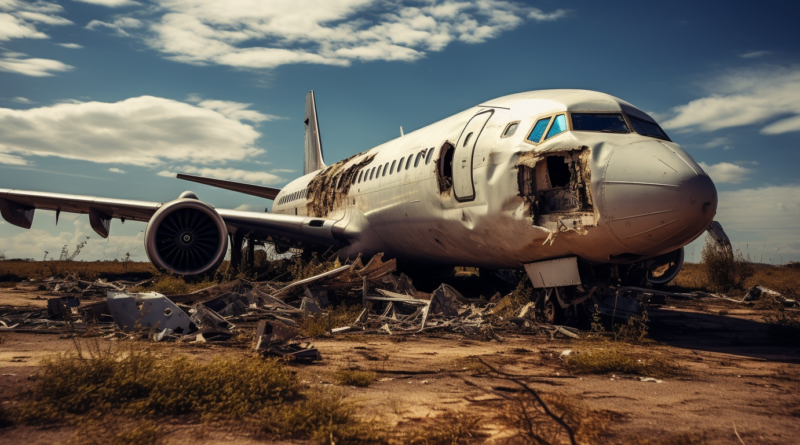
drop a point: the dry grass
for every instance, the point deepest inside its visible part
(97, 386)
(613, 357)
(321, 323)
(725, 268)
(450, 428)
(353, 377)
(12, 270)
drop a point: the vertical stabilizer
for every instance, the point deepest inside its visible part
(314, 160)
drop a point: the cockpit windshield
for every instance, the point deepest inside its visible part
(603, 122)
(646, 128)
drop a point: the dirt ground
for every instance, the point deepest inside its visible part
(732, 379)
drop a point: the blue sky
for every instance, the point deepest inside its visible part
(112, 97)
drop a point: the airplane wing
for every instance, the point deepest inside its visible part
(17, 207)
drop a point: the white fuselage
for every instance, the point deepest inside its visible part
(629, 196)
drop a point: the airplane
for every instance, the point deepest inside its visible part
(581, 189)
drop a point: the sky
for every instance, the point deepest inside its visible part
(113, 97)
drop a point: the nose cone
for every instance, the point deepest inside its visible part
(655, 197)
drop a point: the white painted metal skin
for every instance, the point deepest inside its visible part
(648, 196)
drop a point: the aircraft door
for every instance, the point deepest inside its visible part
(462, 160)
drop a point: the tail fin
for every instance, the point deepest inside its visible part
(314, 160)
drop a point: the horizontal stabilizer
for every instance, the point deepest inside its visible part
(248, 189)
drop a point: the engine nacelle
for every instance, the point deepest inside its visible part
(186, 237)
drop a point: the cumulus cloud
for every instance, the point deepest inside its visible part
(230, 174)
(257, 34)
(33, 67)
(745, 98)
(70, 45)
(725, 172)
(110, 3)
(144, 131)
(22, 100)
(717, 142)
(117, 170)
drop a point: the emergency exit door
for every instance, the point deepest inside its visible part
(462, 160)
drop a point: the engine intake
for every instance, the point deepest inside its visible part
(186, 237)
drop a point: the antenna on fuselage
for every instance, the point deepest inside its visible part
(401, 131)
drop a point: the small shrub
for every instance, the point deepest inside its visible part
(790, 264)
(350, 377)
(725, 268)
(635, 330)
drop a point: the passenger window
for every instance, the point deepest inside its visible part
(371, 173)
(400, 164)
(430, 155)
(511, 129)
(408, 162)
(559, 126)
(538, 130)
(385, 167)
(361, 173)
(378, 172)
(416, 161)
(466, 139)
(391, 169)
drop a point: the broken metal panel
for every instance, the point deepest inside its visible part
(147, 310)
(330, 188)
(554, 273)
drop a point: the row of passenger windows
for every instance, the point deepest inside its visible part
(294, 196)
(395, 166)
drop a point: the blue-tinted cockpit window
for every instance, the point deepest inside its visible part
(559, 126)
(646, 128)
(538, 130)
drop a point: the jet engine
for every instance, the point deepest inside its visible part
(186, 237)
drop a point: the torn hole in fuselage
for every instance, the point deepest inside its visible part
(444, 167)
(556, 186)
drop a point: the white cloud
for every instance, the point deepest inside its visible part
(754, 54)
(745, 98)
(18, 18)
(120, 25)
(230, 174)
(725, 172)
(146, 131)
(258, 34)
(70, 45)
(110, 3)
(8, 159)
(117, 170)
(236, 110)
(32, 67)
(22, 100)
(718, 142)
